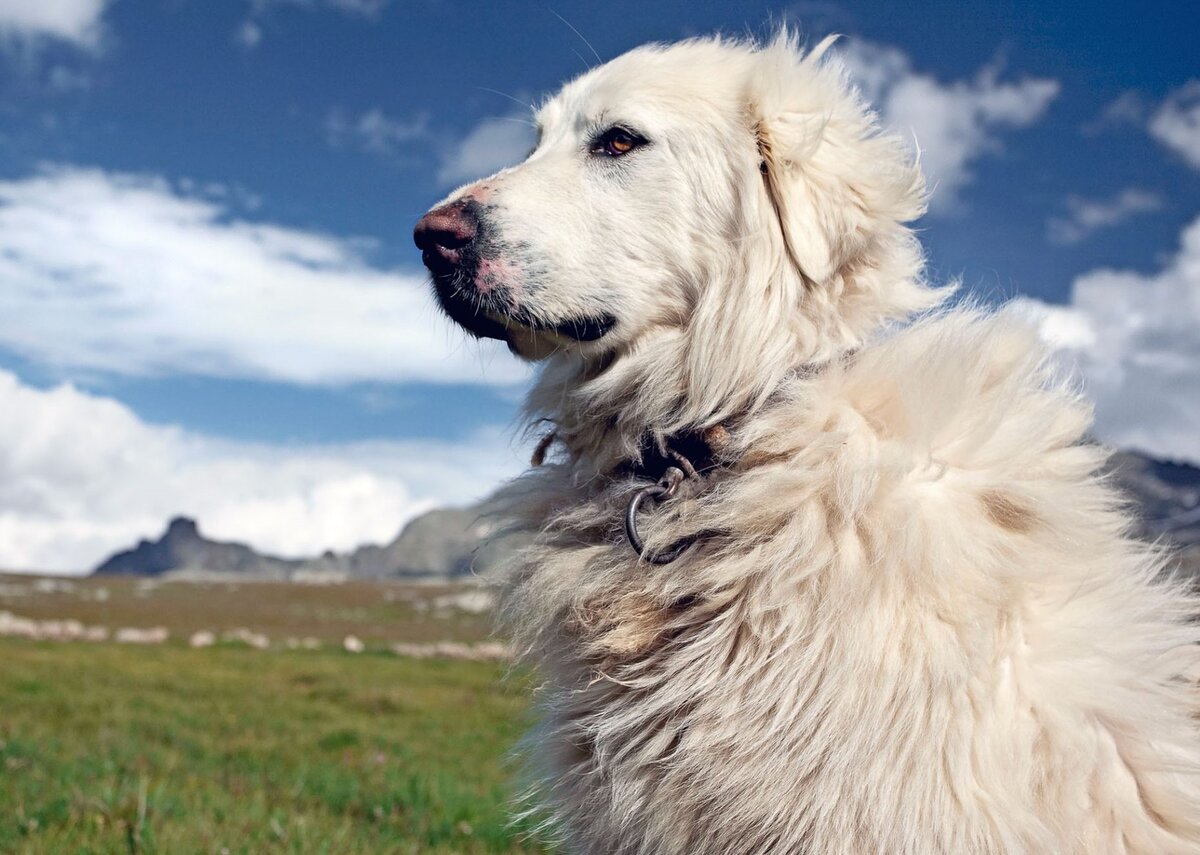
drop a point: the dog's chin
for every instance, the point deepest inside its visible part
(473, 317)
(526, 335)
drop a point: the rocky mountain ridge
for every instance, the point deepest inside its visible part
(451, 543)
(446, 543)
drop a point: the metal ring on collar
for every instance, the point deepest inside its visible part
(664, 489)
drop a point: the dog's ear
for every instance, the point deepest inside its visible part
(835, 183)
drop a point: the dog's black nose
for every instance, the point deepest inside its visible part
(444, 232)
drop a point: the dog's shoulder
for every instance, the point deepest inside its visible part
(957, 427)
(972, 388)
(963, 390)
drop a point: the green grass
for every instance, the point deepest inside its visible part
(108, 748)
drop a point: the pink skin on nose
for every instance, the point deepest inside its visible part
(495, 273)
(480, 192)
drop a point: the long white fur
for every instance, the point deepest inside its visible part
(915, 622)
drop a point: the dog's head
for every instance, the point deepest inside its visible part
(706, 215)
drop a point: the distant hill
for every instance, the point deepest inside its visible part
(1168, 496)
(453, 542)
(182, 549)
(441, 544)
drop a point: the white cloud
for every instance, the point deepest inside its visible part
(249, 33)
(62, 80)
(82, 476)
(365, 8)
(374, 130)
(1135, 340)
(1176, 123)
(1087, 216)
(954, 124)
(368, 8)
(75, 21)
(492, 144)
(1128, 108)
(124, 274)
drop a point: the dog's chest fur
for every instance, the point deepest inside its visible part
(912, 625)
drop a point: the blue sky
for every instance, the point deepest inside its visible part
(210, 304)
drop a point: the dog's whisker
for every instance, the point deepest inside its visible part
(581, 38)
(527, 105)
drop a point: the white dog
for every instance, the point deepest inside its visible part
(893, 609)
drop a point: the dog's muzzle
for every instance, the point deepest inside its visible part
(452, 239)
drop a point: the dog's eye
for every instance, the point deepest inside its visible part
(616, 142)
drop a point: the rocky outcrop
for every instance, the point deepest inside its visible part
(182, 549)
(1166, 495)
(443, 543)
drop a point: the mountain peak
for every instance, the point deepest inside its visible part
(182, 528)
(183, 548)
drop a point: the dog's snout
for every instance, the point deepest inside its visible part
(445, 230)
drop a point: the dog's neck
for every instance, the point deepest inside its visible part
(612, 441)
(718, 365)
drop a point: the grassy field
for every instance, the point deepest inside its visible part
(111, 748)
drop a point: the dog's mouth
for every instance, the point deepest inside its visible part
(470, 312)
(584, 328)
(480, 317)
